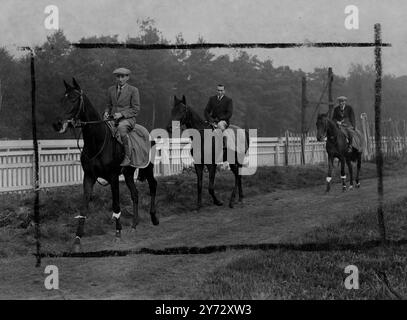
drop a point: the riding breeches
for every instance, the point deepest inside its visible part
(125, 126)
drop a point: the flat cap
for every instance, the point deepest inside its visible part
(122, 71)
(341, 98)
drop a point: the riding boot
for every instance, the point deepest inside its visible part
(126, 160)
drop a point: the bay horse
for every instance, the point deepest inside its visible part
(190, 119)
(337, 147)
(101, 156)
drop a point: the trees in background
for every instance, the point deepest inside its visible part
(265, 97)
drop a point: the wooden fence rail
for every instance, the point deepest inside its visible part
(59, 160)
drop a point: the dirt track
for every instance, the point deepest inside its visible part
(275, 217)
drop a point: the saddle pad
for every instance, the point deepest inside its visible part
(358, 142)
(139, 143)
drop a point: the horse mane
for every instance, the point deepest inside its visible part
(90, 108)
(195, 118)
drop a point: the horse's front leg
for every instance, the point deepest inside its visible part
(114, 185)
(329, 175)
(343, 174)
(129, 179)
(211, 185)
(235, 170)
(350, 169)
(359, 162)
(152, 183)
(88, 183)
(199, 175)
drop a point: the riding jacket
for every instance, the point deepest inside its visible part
(219, 109)
(127, 101)
(346, 115)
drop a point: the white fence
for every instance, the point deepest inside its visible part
(59, 160)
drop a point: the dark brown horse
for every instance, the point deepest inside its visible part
(189, 119)
(101, 157)
(337, 147)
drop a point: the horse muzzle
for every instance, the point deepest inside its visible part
(61, 126)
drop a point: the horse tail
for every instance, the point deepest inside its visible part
(143, 173)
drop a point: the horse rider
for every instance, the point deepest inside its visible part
(123, 104)
(219, 109)
(345, 118)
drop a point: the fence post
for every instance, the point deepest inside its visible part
(366, 136)
(303, 108)
(330, 100)
(377, 107)
(286, 148)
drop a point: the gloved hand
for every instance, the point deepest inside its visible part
(117, 115)
(106, 115)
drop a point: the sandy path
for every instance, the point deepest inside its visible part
(275, 217)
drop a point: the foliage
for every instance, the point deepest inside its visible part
(265, 97)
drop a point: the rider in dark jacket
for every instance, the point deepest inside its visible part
(219, 109)
(345, 118)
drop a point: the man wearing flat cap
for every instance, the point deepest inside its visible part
(345, 118)
(123, 103)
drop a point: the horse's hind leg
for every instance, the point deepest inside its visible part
(350, 169)
(235, 170)
(114, 186)
(343, 174)
(211, 185)
(329, 175)
(152, 184)
(199, 176)
(88, 183)
(359, 162)
(128, 173)
(239, 181)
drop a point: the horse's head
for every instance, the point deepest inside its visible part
(179, 112)
(322, 126)
(72, 102)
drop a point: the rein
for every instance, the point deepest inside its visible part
(76, 123)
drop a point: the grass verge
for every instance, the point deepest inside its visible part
(283, 274)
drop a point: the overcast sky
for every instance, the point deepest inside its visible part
(22, 23)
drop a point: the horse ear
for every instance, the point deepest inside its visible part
(75, 84)
(183, 100)
(67, 86)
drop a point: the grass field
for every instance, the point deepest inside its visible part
(283, 205)
(284, 274)
(175, 195)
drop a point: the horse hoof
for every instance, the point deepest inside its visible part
(76, 246)
(344, 189)
(350, 187)
(155, 220)
(218, 203)
(231, 205)
(118, 234)
(357, 185)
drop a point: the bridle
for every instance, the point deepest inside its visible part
(186, 117)
(325, 122)
(77, 123)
